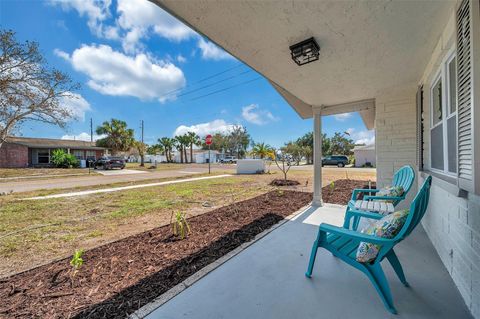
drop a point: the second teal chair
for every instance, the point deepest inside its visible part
(343, 243)
(404, 177)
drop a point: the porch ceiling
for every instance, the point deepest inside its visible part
(366, 46)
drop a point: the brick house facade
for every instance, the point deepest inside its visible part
(21, 152)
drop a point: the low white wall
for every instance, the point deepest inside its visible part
(250, 166)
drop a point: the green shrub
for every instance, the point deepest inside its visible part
(62, 159)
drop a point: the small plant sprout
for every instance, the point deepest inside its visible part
(332, 186)
(77, 261)
(180, 225)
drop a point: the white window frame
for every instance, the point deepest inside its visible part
(443, 75)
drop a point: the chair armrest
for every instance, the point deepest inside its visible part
(362, 190)
(393, 198)
(365, 214)
(354, 234)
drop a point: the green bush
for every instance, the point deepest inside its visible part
(62, 159)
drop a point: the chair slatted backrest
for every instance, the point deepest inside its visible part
(417, 210)
(404, 177)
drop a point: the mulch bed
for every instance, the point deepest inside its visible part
(119, 278)
(284, 182)
(341, 192)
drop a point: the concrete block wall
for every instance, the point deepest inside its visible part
(395, 135)
(13, 156)
(453, 225)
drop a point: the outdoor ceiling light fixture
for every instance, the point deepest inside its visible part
(305, 52)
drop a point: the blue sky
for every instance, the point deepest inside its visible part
(135, 62)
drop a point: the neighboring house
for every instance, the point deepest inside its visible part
(411, 69)
(365, 155)
(199, 156)
(19, 152)
(202, 156)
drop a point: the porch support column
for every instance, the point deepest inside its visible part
(317, 156)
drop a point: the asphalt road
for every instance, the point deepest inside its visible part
(18, 186)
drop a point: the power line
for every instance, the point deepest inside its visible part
(225, 89)
(214, 83)
(205, 79)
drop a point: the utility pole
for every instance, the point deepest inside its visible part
(91, 130)
(142, 155)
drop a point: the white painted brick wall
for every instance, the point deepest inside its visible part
(395, 135)
(453, 225)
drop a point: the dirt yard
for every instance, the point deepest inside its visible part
(37, 232)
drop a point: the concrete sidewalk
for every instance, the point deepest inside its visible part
(267, 280)
(123, 188)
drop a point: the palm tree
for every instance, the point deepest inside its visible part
(142, 149)
(193, 139)
(182, 143)
(262, 150)
(118, 136)
(167, 144)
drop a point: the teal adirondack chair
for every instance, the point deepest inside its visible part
(343, 243)
(404, 177)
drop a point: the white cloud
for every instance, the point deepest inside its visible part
(141, 18)
(342, 117)
(211, 52)
(61, 54)
(76, 104)
(202, 129)
(181, 58)
(362, 137)
(96, 11)
(117, 74)
(84, 136)
(252, 113)
(137, 20)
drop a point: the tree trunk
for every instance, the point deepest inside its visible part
(191, 153)
(181, 154)
(142, 160)
(185, 154)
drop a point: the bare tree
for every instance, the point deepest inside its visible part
(283, 161)
(29, 90)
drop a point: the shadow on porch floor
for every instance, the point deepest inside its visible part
(267, 281)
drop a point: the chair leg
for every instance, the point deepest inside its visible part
(313, 254)
(393, 259)
(379, 281)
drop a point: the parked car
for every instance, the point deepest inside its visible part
(109, 162)
(228, 159)
(339, 160)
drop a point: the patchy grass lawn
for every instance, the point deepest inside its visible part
(10, 173)
(37, 232)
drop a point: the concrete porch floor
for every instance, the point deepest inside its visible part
(267, 281)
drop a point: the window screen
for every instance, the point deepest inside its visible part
(452, 144)
(437, 147)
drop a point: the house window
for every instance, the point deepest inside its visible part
(43, 156)
(78, 154)
(91, 155)
(443, 131)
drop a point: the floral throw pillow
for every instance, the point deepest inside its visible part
(395, 191)
(387, 227)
